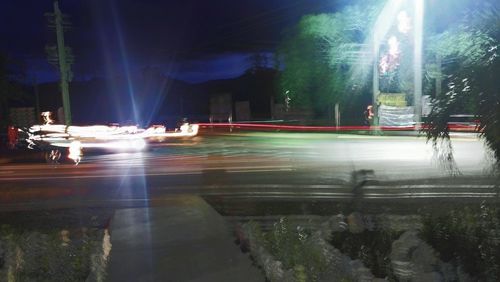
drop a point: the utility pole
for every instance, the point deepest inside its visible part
(375, 79)
(61, 56)
(37, 98)
(375, 85)
(63, 66)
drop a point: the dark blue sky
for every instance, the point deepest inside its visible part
(193, 40)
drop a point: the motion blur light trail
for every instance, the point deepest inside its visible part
(452, 127)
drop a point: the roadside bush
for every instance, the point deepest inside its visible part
(373, 248)
(467, 238)
(292, 248)
(57, 255)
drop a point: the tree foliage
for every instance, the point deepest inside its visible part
(472, 76)
(320, 54)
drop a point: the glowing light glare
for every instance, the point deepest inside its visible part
(75, 151)
(384, 64)
(404, 22)
(137, 144)
(190, 130)
(47, 117)
(130, 129)
(390, 61)
(155, 129)
(186, 130)
(393, 46)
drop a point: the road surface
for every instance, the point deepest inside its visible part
(267, 164)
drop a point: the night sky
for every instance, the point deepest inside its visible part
(190, 40)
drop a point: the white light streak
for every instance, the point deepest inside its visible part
(101, 136)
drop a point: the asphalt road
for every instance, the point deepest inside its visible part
(272, 165)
